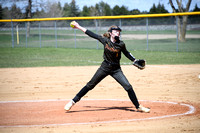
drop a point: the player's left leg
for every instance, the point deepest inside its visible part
(122, 80)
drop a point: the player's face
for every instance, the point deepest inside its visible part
(115, 33)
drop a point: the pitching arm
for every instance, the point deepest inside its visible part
(88, 32)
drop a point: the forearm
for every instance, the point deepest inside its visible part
(88, 32)
(77, 26)
(81, 28)
(130, 56)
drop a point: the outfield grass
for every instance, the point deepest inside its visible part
(66, 39)
(42, 57)
(86, 52)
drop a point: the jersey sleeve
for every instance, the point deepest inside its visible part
(95, 36)
(127, 53)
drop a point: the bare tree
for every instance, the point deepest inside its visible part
(182, 20)
(28, 6)
(28, 12)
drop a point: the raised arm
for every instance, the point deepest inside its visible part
(88, 32)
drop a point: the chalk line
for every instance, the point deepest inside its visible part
(191, 111)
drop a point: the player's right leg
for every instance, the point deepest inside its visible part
(143, 109)
(98, 76)
(69, 105)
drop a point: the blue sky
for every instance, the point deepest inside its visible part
(142, 5)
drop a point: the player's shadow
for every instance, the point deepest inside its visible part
(97, 108)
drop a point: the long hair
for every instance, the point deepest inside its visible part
(107, 34)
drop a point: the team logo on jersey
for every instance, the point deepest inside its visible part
(111, 48)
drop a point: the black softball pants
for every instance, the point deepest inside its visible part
(100, 75)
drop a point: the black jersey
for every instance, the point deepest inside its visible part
(112, 51)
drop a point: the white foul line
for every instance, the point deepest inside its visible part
(191, 111)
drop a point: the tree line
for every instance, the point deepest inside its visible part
(54, 9)
(40, 9)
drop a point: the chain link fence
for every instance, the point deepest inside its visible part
(151, 34)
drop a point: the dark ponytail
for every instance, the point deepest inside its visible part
(107, 34)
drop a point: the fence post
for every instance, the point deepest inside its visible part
(120, 25)
(12, 34)
(26, 33)
(56, 32)
(75, 37)
(96, 23)
(147, 29)
(176, 34)
(40, 35)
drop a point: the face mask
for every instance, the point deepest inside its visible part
(116, 38)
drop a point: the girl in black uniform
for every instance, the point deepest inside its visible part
(113, 47)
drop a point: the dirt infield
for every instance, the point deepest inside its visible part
(48, 113)
(165, 83)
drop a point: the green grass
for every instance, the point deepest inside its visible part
(37, 57)
(86, 52)
(65, 39)
(71, 32)
(191, 45)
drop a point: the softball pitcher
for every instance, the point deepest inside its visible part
(113, 47)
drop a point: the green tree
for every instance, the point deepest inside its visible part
(124, 10)
(108, 10)
(196, 8)
(158, 9)
(120, 10)
(16, 12)
(195, 19)
(71, 9)
(135, 12)
(163, 10)
(74, 9)
(103, 9)
(6, 13)
(153, 9)
(116, 10)
(66, 10)
(1, 12)
(86, 11)
(98, 10)
(59, 6)
(39, 13)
